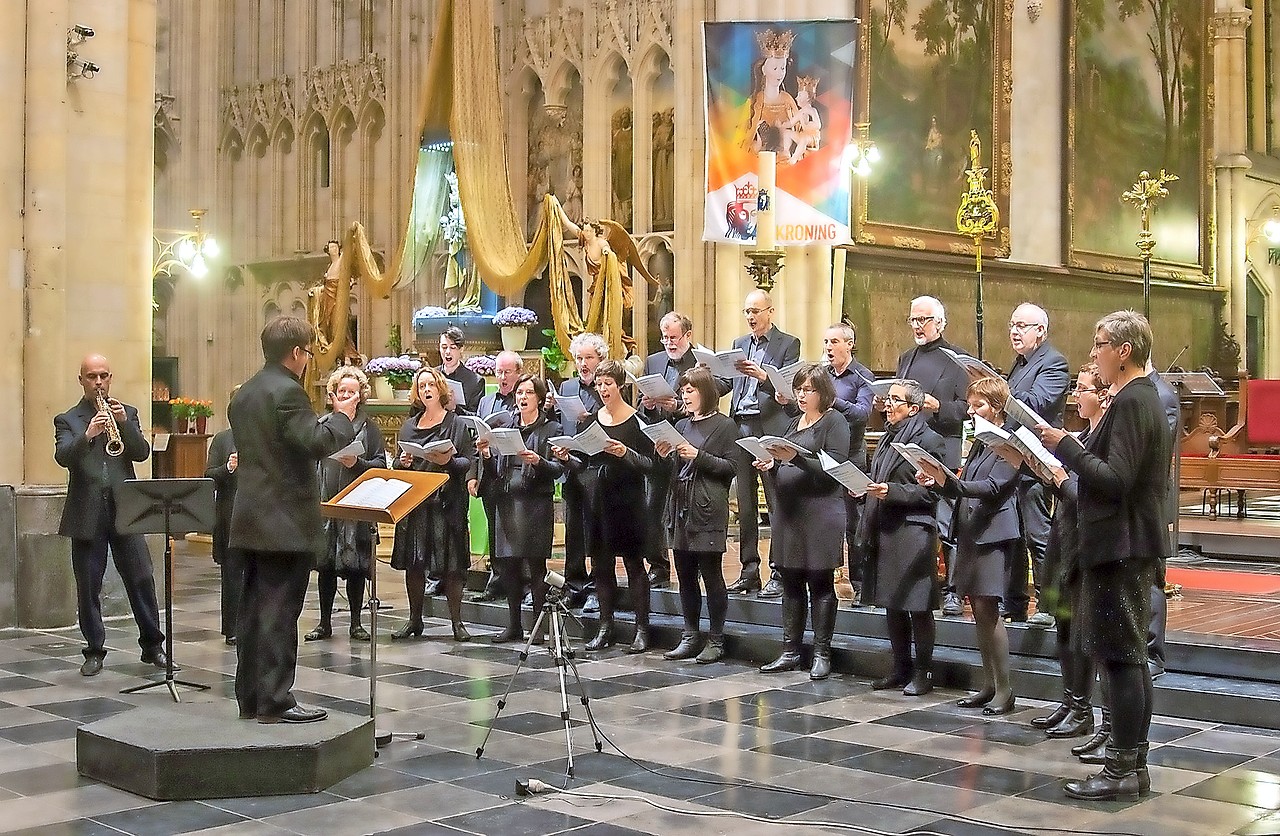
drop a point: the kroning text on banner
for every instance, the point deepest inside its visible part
(787, 87)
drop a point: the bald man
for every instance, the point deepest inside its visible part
(89, 516)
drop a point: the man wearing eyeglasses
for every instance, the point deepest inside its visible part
(675, 359)
(854, 400)
(945, 406)
(1039, 378)
(758, 413)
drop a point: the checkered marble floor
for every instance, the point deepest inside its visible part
(703, 738)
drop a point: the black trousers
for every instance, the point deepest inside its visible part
(231, 572)
(133, 562)
(575, 537)
(656, 490)
(746, 479)
(275, 586)
(1035, 507)
(856, 559)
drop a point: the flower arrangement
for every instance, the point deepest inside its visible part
(430, 312)
(398, 371)
(482, 364)
(184, 409)
(515, 317)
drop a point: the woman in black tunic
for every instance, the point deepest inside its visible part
(987, 530)
(349, 553)
(434, 537)
(698, 512)
(808, 520)
(523, 492)
(1123, 479)
(899, 534)
(616, 524)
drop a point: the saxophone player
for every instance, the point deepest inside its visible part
(82, 435)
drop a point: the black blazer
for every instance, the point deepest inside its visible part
(986, 512)
(494, 404)
(587, 394)
(658, 363)
(280, 440)
(91, 472)
(1123, 470)
(939, 376)
(224, 485)
(781, 349)
(1041, 382)
(907, 502)
(698, 505)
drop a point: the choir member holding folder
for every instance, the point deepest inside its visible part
(698, 509)
(349, 549)
(899, 535)
(986, 529)
(808, 519)
(434, 537)
(521, 487)
(616, 522)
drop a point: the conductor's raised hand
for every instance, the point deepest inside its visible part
(346, 403)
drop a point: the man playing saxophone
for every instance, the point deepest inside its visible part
(97, 441)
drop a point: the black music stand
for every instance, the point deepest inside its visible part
(168, 507)
(1184, 383)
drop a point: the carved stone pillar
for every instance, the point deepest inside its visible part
(1227, 26)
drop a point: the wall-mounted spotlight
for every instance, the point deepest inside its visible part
(77, 67)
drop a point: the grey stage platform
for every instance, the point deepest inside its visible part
(194, 750)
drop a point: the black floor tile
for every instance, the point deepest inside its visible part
(530, 723)
(164, 819)
(795, 723)
(671, 782)
(1168, 732)
(41, 732)
(21, 683)
(760, 801)
(42, 779)
(814, 749)
(376, 780)
(1012, 733)
(448, 766)
(930, 721)
(992, 779)
(501, 784)
(514, 820)
(592, 766)
(955, 827)
(478, 689)
(653, 679)
(1268, 825)
(92, 708)
(1195, 760)
(782, 699)
(1247, 787)
(418, 678)
(39, 666)
(80, 827)
(900, 764)
(604, 828)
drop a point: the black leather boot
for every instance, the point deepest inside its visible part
(824, 627)
(603, 637)
(640, 644)
(1077, 723)
(1118, 780)
(713, 651)
(1091, 751)
(1144, 777)
(690, 644)
(792, 631)
(1056, 716)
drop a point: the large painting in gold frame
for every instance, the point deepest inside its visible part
(933, 70)
(1138, 98)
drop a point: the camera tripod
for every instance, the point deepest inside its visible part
(562, 653)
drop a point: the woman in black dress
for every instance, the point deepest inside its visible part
(808, 520)
(616, 524)
(899, 536)
(986, 527)
(434, 537)
(349, 553)
(1123, 478)
(698, 512)
(522, 488)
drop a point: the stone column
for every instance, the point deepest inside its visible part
(1227, 26)
(13, 152)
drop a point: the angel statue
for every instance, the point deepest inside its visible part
(601, 239)
(335, 334)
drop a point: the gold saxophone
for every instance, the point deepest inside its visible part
(115, 444)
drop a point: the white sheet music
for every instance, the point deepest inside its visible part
(1023, 414)
(764, 447)
(652, 386)
(506, 441)
(846, 473)
(375, 493)
(972, 366)
(881, 387)
(721, 363)
(663, 431)
(571, 409)
(459, 399)
(781, 377)
(590, 441)
(355, 448)
(915, 454)
(481, 427)
(988, 433)
(420, 451)
(1031, 447)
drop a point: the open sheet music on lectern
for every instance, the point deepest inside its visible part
(721, 363)
(916, 455)
(590, 441)
(846, 473)
(764, 447)
(653, 386)
(663, 431)
(975, 368)
(355, 448)
(421, 451)
(375, 493)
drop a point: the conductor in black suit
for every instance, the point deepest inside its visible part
(757, 413)
(89, 515)
(276, 519)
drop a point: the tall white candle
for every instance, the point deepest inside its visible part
(766, 229)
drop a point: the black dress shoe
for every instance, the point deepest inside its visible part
(92, 666)
(511, 634)
(745, 585)
(1052, 719)
(322, 631)
(358, 633)
(773, 589)
(977, 700)
(1007, 707)
(156, 657)
(892, 681)
(297, 714)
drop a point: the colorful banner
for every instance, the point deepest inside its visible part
(787, 87)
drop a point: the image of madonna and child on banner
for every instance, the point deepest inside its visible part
(786, 87)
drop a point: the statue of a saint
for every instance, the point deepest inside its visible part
(461, 280)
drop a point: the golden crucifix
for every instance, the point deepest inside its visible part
(978, 216)
(1145, 194)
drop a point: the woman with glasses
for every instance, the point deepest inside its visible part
(808, 520)
(523, 491)
(616, 522)
(698, 512)
(987, 530)
(434, 537)
(1122, 473)
(899, 536)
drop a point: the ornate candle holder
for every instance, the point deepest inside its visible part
(764, 265)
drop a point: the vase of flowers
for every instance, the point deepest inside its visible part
(398, 372)
(191, 415)
(515, 323)
(484, 365)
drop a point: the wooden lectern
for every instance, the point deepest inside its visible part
(421, 486)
